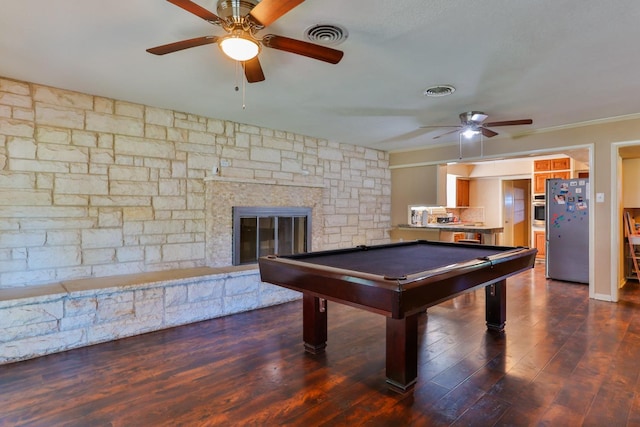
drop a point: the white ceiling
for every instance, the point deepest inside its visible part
(556, 62)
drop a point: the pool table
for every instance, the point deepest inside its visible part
(399, 281)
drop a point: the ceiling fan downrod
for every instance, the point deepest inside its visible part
(234, 11)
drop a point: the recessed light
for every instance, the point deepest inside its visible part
(439, 90)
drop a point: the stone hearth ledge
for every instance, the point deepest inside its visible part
(40, 320)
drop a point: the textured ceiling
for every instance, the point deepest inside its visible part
(556, 62)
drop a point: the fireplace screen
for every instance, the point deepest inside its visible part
(260, 231)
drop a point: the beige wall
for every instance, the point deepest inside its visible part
(487, 194)
(516, 167)
(91, 186)
(412, 186)
(601, 135)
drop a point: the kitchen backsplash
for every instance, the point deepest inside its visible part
(423, 215)
(468, 214)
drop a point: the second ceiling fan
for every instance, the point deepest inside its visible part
(472, 123)
(242, 20)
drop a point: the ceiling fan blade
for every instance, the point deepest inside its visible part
(253, 70)
(300, 47)
(447, 133)
(184, 44)
(267, 11)
(510, 123)
(488, 132)
(479, 117)
(197, 10)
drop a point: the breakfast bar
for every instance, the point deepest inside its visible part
(488, 234)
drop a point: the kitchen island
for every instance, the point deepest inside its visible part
(488, 234)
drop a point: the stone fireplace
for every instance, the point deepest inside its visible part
(268, 230)
(223, 194)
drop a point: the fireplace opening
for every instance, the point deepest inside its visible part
(260, 231)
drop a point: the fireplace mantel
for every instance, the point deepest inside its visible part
(263, 182)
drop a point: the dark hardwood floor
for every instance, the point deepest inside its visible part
(564, 360)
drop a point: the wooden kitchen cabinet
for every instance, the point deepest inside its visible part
(462, 192)
(547, 169)
(539, 181)
(539, 242)
(561, 175)
(560, 164)
(541, 165)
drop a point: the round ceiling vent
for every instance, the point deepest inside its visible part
(439, 90)
(330, 34)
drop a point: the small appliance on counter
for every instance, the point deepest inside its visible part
(421, 216)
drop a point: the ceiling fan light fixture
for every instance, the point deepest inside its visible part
(239, 47)
(469, 133)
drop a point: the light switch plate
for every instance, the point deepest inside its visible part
(599, 197)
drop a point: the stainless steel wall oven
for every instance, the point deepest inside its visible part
(539, 210)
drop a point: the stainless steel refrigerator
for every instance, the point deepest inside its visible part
(567, 229)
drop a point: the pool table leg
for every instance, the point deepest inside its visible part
(314, 324)
(402, 353)
(496, 305)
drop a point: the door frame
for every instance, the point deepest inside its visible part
(529, 197)
(617, 208)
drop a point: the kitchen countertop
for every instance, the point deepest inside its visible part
(464, 227)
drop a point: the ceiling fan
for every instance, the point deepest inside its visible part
(242, 19)
(472, 123)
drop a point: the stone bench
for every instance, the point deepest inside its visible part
(39, 320)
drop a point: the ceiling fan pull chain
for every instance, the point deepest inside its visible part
(244, 90)
(460, 145)
(237, 72)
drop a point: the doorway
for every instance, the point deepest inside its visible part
(516, 212)
(626, 173)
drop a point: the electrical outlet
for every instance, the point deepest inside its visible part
(224, 163)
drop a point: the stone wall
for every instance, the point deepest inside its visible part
(93, 187)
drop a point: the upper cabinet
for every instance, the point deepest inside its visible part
(457, 191)
(539, 182)
(541, 165)
(548, 169)
(546, 165)
(560, 164)
(462, 192)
